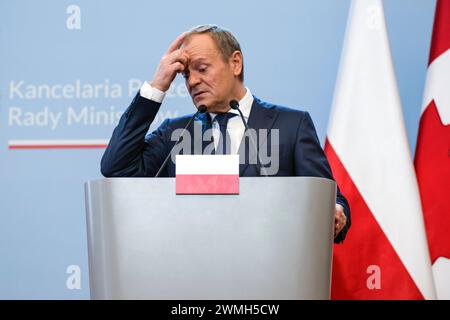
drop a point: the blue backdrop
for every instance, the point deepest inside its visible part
(68, 68)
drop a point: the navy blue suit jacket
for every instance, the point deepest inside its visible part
(134, 153)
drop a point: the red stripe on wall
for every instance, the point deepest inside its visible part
(75, 146)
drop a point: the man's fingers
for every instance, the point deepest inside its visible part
(177, 43)
(339, 222)
(343, 220)
(183, 58)
(173, 61)
(178, 67)
(178, 56)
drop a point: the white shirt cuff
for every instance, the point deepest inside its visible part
(150, 93)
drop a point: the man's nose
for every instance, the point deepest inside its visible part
(193, 80)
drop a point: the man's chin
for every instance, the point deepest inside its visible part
(202, 102)
(210, 105)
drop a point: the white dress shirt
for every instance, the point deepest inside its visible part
(235, 127)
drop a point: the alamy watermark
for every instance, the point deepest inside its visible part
(260, 147)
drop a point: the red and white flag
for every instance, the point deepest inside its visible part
(385, 254)
(207, 174)
(432, 159)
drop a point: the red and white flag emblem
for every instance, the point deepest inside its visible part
(207, 174)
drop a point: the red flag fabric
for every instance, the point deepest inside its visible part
(432, 159)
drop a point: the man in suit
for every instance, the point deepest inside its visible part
(211, 61)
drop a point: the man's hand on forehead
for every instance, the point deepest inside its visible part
(177, 53)
(185, 55)
(174, 61)
(177, 43)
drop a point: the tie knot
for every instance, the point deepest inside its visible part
(222, 118)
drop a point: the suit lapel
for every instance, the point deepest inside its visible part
(261, 117)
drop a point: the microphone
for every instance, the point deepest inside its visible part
(235, 106)
(201, 109)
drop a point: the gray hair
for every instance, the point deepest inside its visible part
(224, 39)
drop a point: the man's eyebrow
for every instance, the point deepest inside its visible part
(196, 61)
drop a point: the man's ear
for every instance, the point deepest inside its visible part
(236, 62)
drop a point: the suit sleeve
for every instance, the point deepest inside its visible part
(130, 153)
(310, 160)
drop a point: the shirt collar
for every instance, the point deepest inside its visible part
(245, 104)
